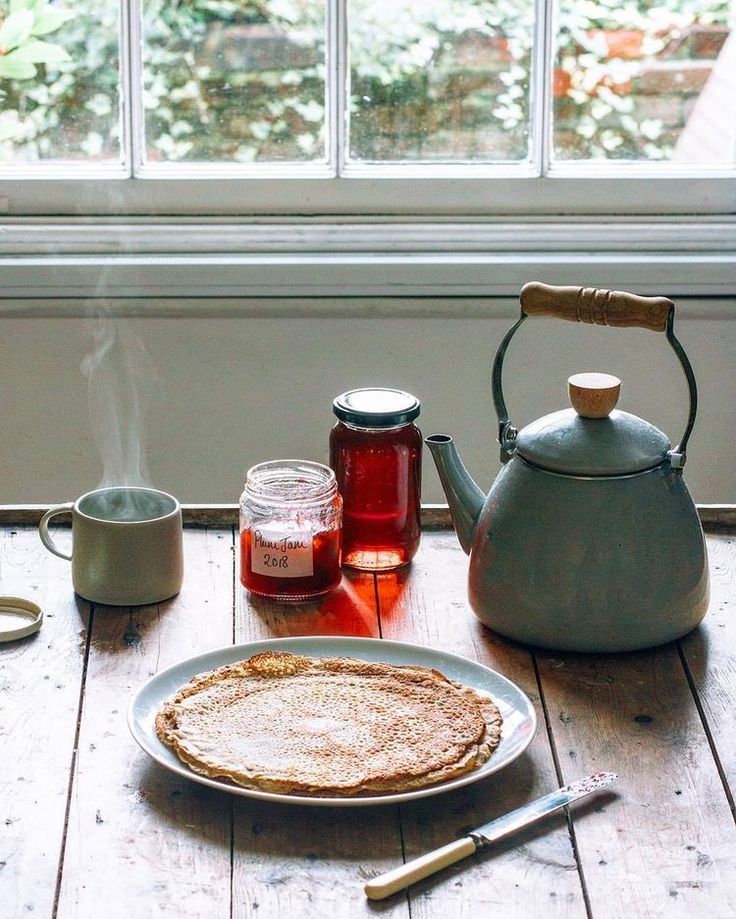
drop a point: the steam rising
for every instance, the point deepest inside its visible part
(121, 382)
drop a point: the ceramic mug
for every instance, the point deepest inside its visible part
(126, 545)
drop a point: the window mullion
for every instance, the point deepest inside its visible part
(336, 80)
(132, 84)
(541, 96)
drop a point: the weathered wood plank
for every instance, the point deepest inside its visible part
(717, 516)
(666, 844)
(40, 680)
(349, 610)
(535, 872)
(142, 842)
(305, 861)
(710, 654)
(312, 862)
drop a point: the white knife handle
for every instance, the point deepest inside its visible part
(419, 868)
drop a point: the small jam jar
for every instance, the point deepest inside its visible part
(376, 452)
(290, 530)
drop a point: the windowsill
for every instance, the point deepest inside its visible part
(183, 262)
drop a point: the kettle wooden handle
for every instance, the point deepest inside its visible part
(605, 307)
(596, 306)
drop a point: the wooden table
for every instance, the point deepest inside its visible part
(91, 827)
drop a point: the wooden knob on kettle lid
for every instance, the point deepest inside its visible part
(593, 395)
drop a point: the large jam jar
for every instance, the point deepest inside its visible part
(376, 452)
(290, 530)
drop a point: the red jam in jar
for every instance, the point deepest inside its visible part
(290, 530)
(376, 452)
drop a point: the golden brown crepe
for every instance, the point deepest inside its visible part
(331, 727)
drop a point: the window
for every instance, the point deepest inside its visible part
(382, 107)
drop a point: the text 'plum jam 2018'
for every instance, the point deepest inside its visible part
(376, 452)
(290, 530)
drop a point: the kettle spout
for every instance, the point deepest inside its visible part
(463, 495)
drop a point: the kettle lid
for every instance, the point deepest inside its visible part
(592, 437)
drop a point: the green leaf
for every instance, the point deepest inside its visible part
(39, 52)
(16, 29)
(10, 130)
(48, 20)
(32, 5)
(16, 70)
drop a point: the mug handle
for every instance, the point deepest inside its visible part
(43, 528)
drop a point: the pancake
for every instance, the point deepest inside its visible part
(330, 727)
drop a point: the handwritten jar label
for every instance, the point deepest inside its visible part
(282, 555)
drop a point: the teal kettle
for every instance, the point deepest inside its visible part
(589, 539)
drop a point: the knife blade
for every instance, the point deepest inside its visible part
(485, 835)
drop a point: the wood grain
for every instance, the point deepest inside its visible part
(710, 655)
(593, 395)
(596, 306)
(349, 610)
(142, 842)
(533, 873)
(666, 844)
(40, 680)
(717, 517)
(311, 862)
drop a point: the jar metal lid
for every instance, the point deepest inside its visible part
(376, 408)
(18, 618)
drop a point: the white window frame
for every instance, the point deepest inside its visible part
(344, 230)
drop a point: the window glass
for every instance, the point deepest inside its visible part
(59, 81)
(228, 81)
(645, 80)
(440, 80)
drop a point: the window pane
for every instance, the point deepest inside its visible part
(440, 80)
(234, 81)
(645, 81)
(59, 81)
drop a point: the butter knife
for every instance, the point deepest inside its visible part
(486, 835)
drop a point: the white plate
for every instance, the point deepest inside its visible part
(519, 718)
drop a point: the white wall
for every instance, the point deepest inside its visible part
(235, 391)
